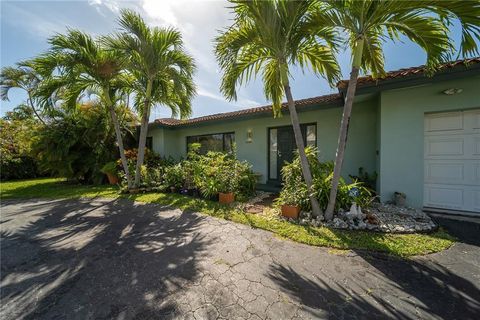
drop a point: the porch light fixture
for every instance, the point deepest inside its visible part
(249, 135)
(452, 91)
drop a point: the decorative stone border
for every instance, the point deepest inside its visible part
(380, 217)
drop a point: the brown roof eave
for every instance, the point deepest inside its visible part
(408, 74)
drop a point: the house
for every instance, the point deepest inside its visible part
(420, 134)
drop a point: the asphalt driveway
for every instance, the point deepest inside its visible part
(114, 259)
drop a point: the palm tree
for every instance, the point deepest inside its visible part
(266, 38)
(160, 68)
(79, 65)
(367, 24)
(21, 77)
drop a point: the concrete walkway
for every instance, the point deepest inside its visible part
(114, 259)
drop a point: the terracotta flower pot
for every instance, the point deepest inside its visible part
(112, 179)
(289, 211)
(226, 197)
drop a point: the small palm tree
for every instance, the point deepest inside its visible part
(367, 24)
(266, 38)
(21, 77)
(161, 71)
(80, 65)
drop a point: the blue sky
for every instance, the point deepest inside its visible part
(26, 26)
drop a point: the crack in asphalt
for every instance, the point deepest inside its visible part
(150, 261)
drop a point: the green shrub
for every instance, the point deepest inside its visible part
(173, 176)
(151, 177)
(211, 174)
(77, 143)
(294, 190)
(220, 172)
(153, 170)
(18, 167)
(369, 180)
(17, 129)
(110, 168)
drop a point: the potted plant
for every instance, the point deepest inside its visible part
(110, 169)
(226, 197)
(399, 198)
(290, 203)
(228, 183)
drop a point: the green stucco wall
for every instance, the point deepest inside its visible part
(401, 139)
(361, 149)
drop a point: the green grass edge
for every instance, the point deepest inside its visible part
(400, 245)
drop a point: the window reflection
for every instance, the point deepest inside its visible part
(311, 135)
(273, 154)
(213, 142)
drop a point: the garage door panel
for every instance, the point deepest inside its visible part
(466, 172)
(444, 122)
(444, 197)
(476, 148)
(476, 173)
(476, 201)
(445, 171)
(475, 118)
(442, 146)
(452, 161)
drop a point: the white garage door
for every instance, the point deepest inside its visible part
(452, 161)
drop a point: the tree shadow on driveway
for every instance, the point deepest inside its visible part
(97, 259)
(326, 299)
(439, 286)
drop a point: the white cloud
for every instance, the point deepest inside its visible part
(205, 93)
(113, 6)
(197, 20)
(242, 102)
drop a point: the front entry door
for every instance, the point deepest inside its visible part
(282, 147)
(286, 147)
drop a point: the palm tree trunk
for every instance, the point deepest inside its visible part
(307, 175)
(342, 137)
(33, 108)
(118, 134)
(143, 134)
(142, 144)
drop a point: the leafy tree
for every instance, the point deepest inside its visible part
(266, 38)
(80, 65)
(21, 77)
(78, 143)
(160, 68)
(367, 24)
(16, 129)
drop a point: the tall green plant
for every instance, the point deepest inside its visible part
(266, 39)
(77, 144)
(21, 77)
(80, 65)
(294, 190)
(161, 70)
(367, 24)
(16, 129)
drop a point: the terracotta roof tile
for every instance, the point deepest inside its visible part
(405, 72)
(326, 99)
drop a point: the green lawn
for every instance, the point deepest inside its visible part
(403, 245)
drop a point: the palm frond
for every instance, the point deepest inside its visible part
(268, 36)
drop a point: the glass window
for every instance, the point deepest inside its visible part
(149, 143)
(213, 142)
(273, 154)
(311, 135)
